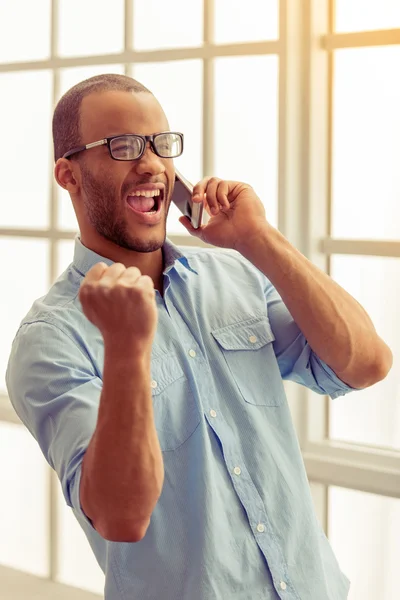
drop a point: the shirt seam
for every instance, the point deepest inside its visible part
(116, 571)
(50, 322)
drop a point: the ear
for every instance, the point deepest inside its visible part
(66, 173)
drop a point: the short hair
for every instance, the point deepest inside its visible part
(66, 118)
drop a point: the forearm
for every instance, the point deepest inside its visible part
(123, 471)
(337, 328)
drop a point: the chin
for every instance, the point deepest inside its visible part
(151, 243)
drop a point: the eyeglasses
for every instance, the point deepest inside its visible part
(130, 146)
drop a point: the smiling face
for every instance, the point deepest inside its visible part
(123, 202)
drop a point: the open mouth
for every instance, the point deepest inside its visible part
(146, 201)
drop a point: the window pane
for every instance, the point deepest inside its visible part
(26, 100)
(364, 530)
(19, 40)
(90, 27)
(172, 24)
(66, 214)
(246, 124)
(178, 87)
(24, 505)
(78, 566)
(258, 21)
(372, 416)
(366, 149)
(65, 255)
(363, 15)
(68, 78)
(24, 278)
(72, 76)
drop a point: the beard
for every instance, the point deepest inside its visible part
(103, 211)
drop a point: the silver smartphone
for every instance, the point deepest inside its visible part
(182, 198)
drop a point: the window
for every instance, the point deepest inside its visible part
(301, 101)
(364, 532)
(351, 445)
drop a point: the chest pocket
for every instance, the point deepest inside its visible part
(175, 411)
(249, 354)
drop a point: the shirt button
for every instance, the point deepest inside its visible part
(154, 384)
(192, 353)
(252, 339)
(283, 585)
(213, 413)
(237, 470)
(260, 528)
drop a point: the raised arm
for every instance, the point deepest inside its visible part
(122, 470)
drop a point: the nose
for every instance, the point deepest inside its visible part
(150, 163)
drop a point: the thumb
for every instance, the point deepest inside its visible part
(187, 224)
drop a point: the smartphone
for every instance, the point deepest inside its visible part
(182, 198)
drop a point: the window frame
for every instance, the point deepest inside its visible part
(305, 47)
(330, 462)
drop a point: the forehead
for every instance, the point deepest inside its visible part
(110, 113)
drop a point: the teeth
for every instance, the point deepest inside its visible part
(146, 193)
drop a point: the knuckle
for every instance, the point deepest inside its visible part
(146, 279)
(133, 271)
(86, 288)
(97, 268)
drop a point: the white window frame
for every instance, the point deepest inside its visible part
(305, 48)
(305, 198)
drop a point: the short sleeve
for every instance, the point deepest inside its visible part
(55, 391)
(296, 359)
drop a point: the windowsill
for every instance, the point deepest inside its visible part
(16, 585)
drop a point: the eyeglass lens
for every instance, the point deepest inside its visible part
(130, 147)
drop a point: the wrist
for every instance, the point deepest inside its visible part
(257, 242)
(126, 349)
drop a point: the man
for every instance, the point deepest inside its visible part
(152, 376)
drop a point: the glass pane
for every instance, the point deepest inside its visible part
(77, 564)
(68, 78)
(366, 148)
(65, 255)
(26, 157)
(19, 41)
(364, 530)
(172, 24)
(24, 278)
(363, 15)
(258, 21)
(72, 76)
(90, 27)
(372, 416)
(24, 502)
(66, 214)
(249, 116)
(178, 87)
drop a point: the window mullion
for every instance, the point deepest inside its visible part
(128, 33)
(53, 518)
(208, 92)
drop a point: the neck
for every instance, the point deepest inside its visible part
(148, 263)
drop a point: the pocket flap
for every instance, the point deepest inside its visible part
(164, 371)
(251, 334)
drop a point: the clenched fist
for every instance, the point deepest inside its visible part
(121, 302)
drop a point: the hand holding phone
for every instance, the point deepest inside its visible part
(182, 198)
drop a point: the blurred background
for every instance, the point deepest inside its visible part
(299, 98)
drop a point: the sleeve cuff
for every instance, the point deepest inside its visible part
(331, 383)
(75, 502)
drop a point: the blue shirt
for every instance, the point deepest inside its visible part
(235, 519)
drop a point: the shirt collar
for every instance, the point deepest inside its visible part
(85, 259)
